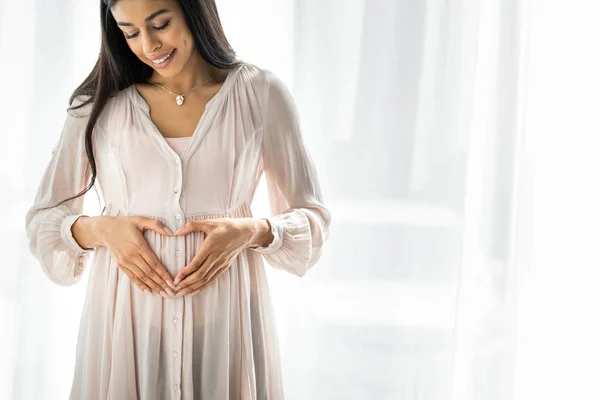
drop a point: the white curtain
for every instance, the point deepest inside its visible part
(559, 297)
(420, 115)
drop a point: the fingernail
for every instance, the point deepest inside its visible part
(148, 291)
(171, 293)
(178, 287)
(177, 231)
(171, 284)
(163, 294)
(180, 294)
(176, 281)
(194, 292)
(170, 232)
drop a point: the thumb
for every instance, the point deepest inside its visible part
(189, 227)
(156, 226)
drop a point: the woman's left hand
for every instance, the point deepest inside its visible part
(224, 239)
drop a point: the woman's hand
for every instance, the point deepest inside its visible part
(123, 237)
(224, 239)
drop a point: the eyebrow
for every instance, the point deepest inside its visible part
(148, 18)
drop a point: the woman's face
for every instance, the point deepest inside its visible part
(155, 29)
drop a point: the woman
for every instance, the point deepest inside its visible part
(178, 133)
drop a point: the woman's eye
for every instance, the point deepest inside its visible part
(163, 26)
(158, 28)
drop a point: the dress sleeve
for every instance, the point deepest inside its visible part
(49, 229)
(300, 221)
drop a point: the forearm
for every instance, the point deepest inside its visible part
(85, 231)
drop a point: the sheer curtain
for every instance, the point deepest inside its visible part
(558, 318)
(419, 116)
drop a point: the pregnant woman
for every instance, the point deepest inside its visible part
(175, 133)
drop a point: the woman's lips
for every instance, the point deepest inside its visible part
(165, 63)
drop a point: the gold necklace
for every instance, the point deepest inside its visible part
(179, 99)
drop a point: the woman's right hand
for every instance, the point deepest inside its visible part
(124, 239)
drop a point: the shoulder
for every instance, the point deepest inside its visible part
(266, 86)
(260, 77)
(81, 107)
(249, 73)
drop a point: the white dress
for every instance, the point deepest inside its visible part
(221, 342)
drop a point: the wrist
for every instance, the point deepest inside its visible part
(261, 235)
(86, 232)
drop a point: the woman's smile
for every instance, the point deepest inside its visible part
(165, 61)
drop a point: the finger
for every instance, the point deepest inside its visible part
(189, 280)
(154, 225)
(192, 267)
(141, 275)
(196, 286)
(189, 227)
(217, 272)
(214, 273)
(135, 279)
(195, 226)
(193, 287)
(166, 280)
(198, 276)
(151, 275)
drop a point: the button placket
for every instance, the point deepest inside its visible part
(177, 335)
(177, 190)
(177, 302)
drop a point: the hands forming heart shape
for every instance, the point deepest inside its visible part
(224, 239)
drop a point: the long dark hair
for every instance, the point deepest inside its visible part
(118, 67)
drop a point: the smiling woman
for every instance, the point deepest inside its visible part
(160, 39)
(177, 305)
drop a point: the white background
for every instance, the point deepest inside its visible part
(457, 146)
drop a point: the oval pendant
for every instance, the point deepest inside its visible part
(179, 100)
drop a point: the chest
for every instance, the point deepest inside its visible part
(171, 119)
(220, 164)
(176, 125)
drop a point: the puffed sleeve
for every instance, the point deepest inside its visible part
(49, 230)
(300, 221)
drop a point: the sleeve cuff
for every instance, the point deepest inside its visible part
(277, 231)
(67, 235)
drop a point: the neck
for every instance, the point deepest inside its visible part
(194, 72)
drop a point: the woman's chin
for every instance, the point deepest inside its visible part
(166, 73)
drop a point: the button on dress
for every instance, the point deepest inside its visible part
(220, 343)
